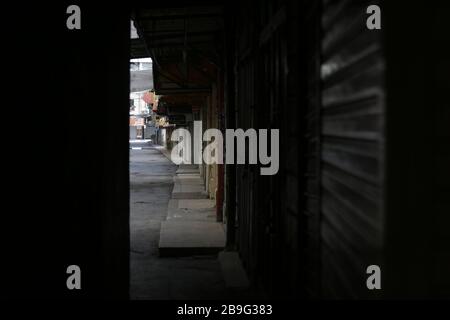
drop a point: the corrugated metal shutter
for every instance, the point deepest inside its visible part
(246, 223)
(272, 219)
(352, 148)
(266, 237)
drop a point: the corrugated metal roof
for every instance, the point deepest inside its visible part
(183, 42)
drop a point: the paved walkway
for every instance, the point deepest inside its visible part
(190, 227)
(153, 277)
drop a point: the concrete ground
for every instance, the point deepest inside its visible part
(152, 277)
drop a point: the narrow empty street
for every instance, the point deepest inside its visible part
(152, 277)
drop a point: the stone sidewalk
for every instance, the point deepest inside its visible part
(190, 227)
(153, 277)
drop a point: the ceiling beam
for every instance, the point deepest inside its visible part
(179, 45)
(182, 16)
(180, 35)
(164, 91)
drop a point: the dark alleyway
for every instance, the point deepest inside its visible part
(358, 207)
(153, 277)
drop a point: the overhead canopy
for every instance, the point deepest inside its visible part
(184, 43)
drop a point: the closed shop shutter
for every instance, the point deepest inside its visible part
(351, 148)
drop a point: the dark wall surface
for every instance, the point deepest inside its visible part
(65, 176)
(418, 189)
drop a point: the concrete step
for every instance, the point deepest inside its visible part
(192, 209)
(190, 195)
(196, 204)
(188, 169)
(190, 187)
(186, 238)
(188, 179)
(188, 191)
(187, 188)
